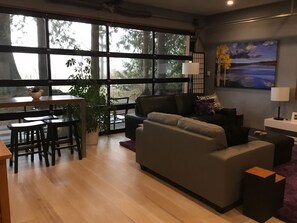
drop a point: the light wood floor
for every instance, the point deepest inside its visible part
(107, 186)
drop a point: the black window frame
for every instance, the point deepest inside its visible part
(108, 81)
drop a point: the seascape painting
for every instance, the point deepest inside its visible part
(246, 64)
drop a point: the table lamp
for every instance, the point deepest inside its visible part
(190, 69)
(280, 94)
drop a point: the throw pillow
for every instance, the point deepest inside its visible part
(237, 135)
(204, 107)
(217, 105)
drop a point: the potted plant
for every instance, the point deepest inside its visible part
(97, 106)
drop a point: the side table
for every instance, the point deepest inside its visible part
(263, 193)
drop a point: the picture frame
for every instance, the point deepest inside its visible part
(250, 64)
(294, 117)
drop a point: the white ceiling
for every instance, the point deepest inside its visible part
(202, 7)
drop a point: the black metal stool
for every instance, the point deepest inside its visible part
(54, 141)
(36, 129)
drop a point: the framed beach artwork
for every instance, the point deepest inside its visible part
(246, 64)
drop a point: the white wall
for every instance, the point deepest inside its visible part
(256, 104)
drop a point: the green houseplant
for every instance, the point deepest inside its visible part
(97, 106)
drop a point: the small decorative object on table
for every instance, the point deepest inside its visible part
(35, 93)
(294, 117)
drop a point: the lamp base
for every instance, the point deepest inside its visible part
(278, 118)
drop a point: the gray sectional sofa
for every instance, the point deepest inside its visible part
(195, 155)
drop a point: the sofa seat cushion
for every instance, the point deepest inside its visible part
(168, 119)
(210, 130)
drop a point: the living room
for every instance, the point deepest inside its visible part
(146, 198)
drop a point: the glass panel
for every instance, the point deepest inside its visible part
(117, 116)
(171, 44)
(130, 90)
(130, 40)
(76, 35)
(169, 88)
(61, 71)
(19, 30)
(7, 92)
(121, 68)
(25, 66)
(58, 90)
(168, 68)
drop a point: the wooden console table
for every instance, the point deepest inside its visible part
(4, 194)
(51, 100)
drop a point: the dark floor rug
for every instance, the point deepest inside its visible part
(130, 144)
(288, 212)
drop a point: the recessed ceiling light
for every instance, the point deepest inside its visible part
(230, 2)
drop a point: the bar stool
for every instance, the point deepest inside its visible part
(55, 142)
(38, 118)
(36, 129)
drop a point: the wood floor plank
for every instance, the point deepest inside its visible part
(106, 186)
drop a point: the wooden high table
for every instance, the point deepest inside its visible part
(51, 100)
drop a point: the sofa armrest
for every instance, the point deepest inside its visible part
(247, 149)
(227, 167)
(227, 111)
(132, 122)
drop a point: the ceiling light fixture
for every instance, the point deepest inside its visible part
(230, 2)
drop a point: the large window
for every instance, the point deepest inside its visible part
(170, 44)
(130, 40)
(130, 61)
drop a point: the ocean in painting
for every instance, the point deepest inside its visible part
(250, 76)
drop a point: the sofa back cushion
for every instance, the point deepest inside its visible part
(237, 135)
(147, 104)
(210, 130)
(185, 103)
(168, 119)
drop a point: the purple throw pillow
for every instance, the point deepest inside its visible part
(204, 107)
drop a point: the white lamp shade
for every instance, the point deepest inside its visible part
(280, 94)
(190, 68)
